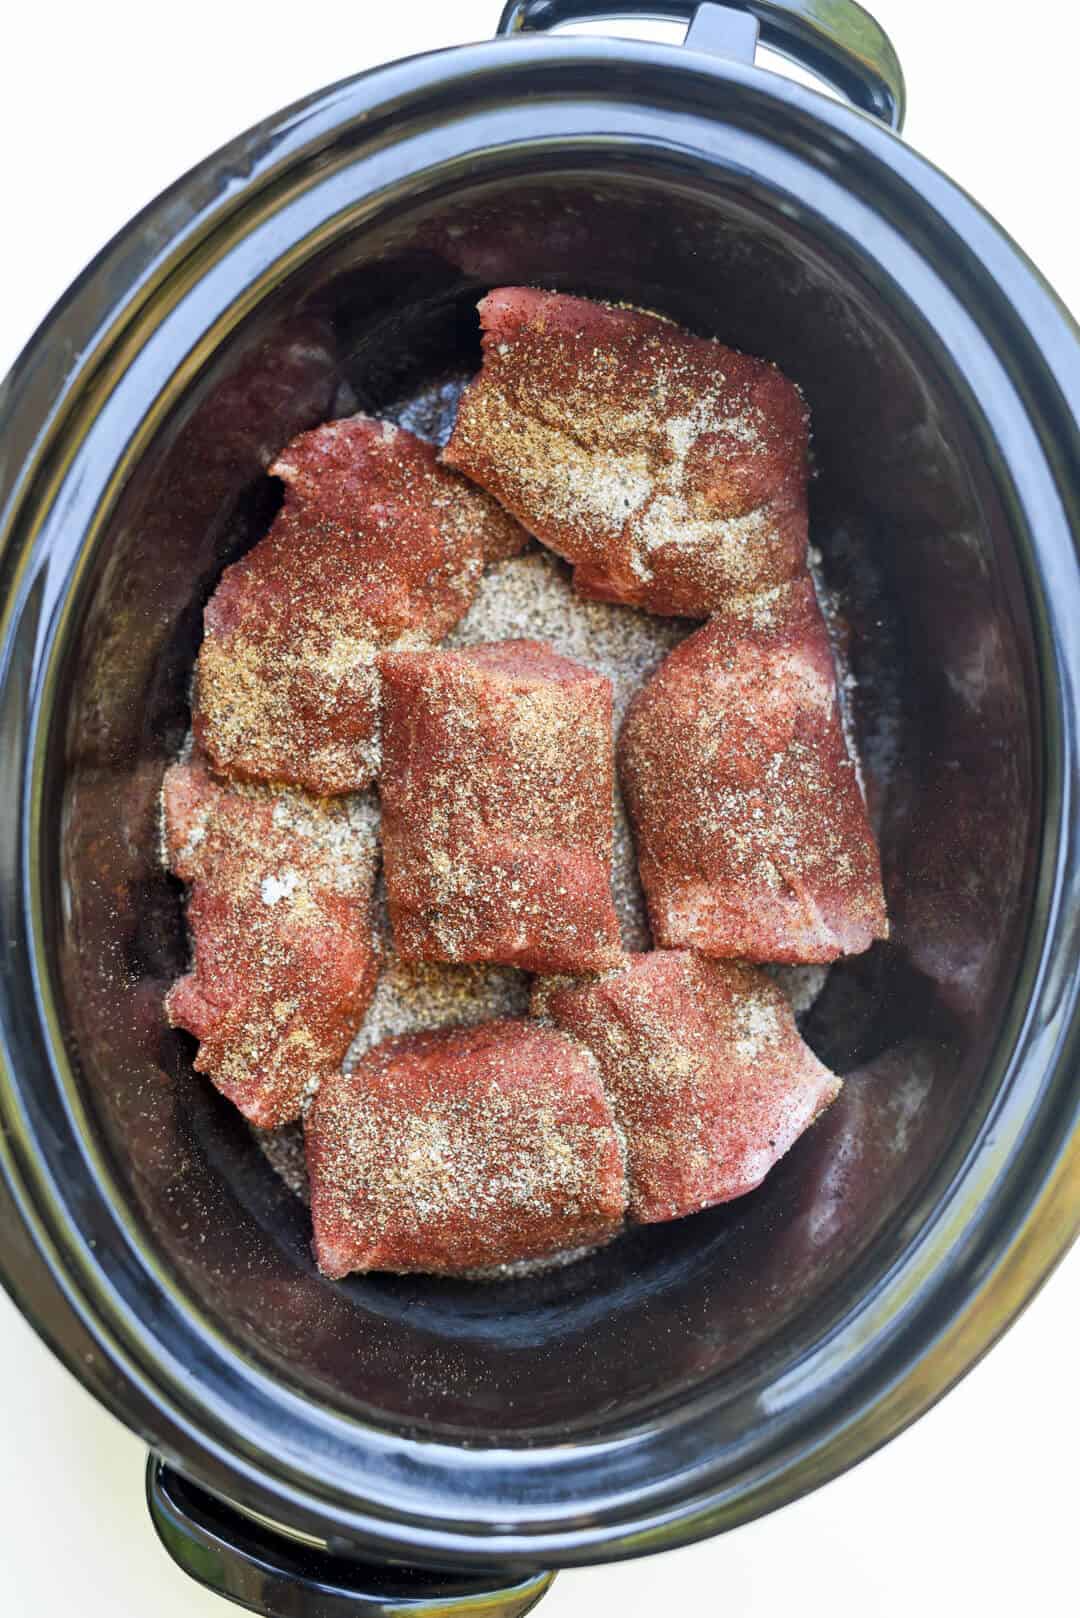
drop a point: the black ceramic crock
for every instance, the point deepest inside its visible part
(325, 1449)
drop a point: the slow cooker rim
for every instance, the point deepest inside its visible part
(1058, 1198)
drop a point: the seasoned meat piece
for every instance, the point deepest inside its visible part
(705, 1070)
(669, 469)
(497, 826)
(751, 831)
(375, 541)
(284, 953)
(462, 1149)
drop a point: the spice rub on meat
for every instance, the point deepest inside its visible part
(375, 541)
(463, 1149)
(752, 835)
(671, 473)
(497, 807)
(705, 1070)
(669, 469)
(284, 957)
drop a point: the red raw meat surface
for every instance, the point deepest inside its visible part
(284, 953)
(461, 1149)
(706, 1072)
(669, 469)
(375, 541)
(751, 831)
(497, 820)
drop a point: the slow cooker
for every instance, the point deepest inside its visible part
(402, 1444)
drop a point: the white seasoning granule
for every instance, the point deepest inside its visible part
(274, 888)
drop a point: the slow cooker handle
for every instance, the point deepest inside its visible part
(836, 39)
(277, 1576)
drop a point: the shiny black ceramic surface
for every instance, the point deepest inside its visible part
(277, 1576)
(836, 39)
(689, 1377)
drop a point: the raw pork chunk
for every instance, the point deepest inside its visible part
(669, 469)
(284, 951)
(461, 1149)
(706, 1072)
(375, 541)
(751, 830)
(497, 797)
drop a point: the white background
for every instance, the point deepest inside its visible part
(973, 1510)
